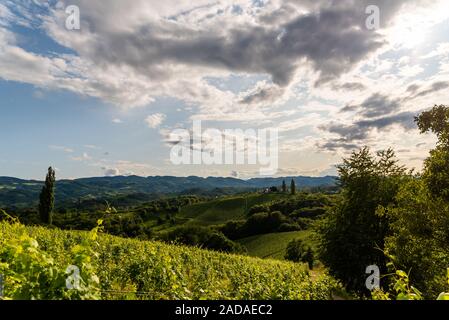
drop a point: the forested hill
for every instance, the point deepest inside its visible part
(21, 193)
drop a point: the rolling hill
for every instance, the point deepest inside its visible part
(223, 210)
(24, 193)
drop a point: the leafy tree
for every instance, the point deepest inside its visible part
(353, 233)
(202, 237)
(419, 237)
(293, 187)
(259, 223)
(436, 167)
(298, 251)
(47, 198)
(284, 186)
(420, 221)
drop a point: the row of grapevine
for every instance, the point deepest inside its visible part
(34, 262)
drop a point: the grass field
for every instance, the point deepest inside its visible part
(272, 245)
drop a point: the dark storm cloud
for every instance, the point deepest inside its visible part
(350, 136)
(332, 38)
(413, 88)
(375, 106)
(434, 87)
(350, 86)
(404, 119)
(263, 94)
(337, 144)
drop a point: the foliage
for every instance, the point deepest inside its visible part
(436, 167)
(402, 290)
(298, 251)
(30, 273)
(284, 186)
(134, 269)
(273, 245)
(259, 223)
(352, 234)
(293, 187)
(47, 198)
(202, 237)
(420, 220)
(419, 237)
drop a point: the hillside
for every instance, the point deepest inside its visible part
(24, 193)
(133, 269)
(272, 245)
(222, 210)
(218, 212)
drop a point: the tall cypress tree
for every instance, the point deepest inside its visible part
(293, 187)
(284, 186)
(47, 198)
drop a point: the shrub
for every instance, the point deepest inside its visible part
(288, 227)
(203, 237)
(298, 251)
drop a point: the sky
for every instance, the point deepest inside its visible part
(104, 99)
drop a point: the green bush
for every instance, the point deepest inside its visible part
(202, 237)
(298, 251)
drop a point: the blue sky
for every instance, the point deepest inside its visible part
(103, 100)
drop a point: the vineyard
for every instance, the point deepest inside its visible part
(34, 263)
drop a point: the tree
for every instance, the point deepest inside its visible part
(353, 234)
(298, 251)
(284, 186)
(436, 167)
(293, 187)
(420, 220)
(419, 237)
(47, 198)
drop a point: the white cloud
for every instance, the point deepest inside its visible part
(171, 49)
(111, 172)
(155, 120)
(83, 157)
(91, 146)
(61, 148)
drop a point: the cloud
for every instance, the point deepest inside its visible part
(83, 157)
(234, 174)
(111, 172)
(350, 86)
(91, 146)
(335, 145)
(331, 38)
(168, 49)
(117, 121)
(262, 93)
(155, 120)
(351, 136)
(434, 87)
(61, 148)
(375, 106)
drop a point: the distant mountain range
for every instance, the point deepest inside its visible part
(22, 193)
